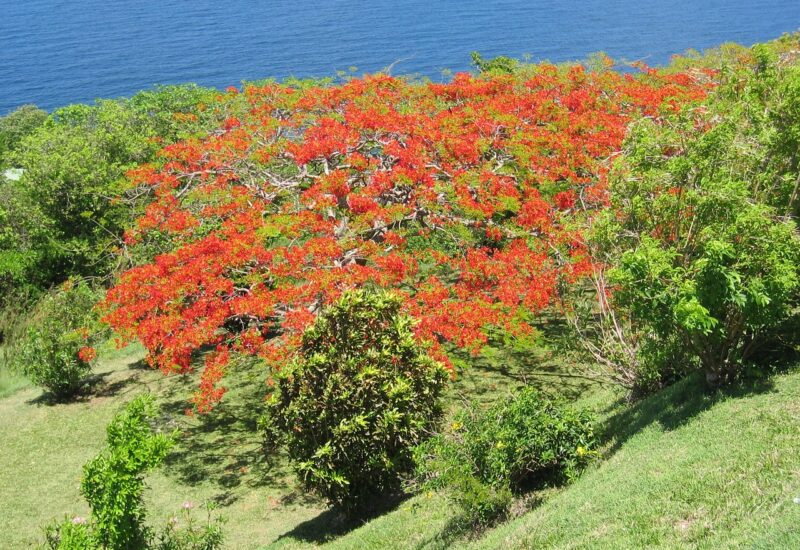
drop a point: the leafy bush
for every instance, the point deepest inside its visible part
(697, 262)
(113, 485)
(186, 533)
(481, 504)
(362, 395)
(113, 482)
(24, 241)
(726, 298)
(66, 213)
(525, 442)
(15, 126)
(53, 347)
(70, 534)
(701, 241)
(496, 65)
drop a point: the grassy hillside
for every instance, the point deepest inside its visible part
(10, 381)
(218, 459)
(685, 468)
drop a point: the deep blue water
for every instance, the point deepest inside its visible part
(55, 52)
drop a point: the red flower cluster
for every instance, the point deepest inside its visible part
(466, 198)
(87, 354)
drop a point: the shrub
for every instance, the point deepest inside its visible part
(525, 442)
(65, 214)
(15, 126)
(727, 298)
(698, 255)
(24, 240)
(113, 482)
(186, 533)
(496, 65)
(53, 346)
(361, 396)
(70, 534)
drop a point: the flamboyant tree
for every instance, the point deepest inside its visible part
(466, 198)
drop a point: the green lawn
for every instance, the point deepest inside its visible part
(218, 458)
(10, 381)
(684, 469)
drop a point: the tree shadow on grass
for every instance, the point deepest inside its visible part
(333, 523)
(674, 406)
(502, 368)
(222, 447)
(103, 384)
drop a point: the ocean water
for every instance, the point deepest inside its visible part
(56, 52)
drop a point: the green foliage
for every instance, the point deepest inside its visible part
(496, 65)
(701, 235)
(360, 398)
(24, 231)
(727, 297)
(682, 475)
(113, 485)
(113, 482)
(69, 534)
(15, 126)
(65, 215)
(524, 442)
(480, 504)
(52, 347)
(186, 533)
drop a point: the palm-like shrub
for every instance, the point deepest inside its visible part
(361, 396)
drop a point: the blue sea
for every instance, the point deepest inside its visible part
(56, 52)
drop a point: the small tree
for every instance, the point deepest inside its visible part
(361, 396)
(113, 482)
(699, 246)
(53, 345)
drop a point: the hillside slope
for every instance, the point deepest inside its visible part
(686, 470)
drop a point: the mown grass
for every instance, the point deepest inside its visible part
(218, 458)
(682, 469)
(10, 381)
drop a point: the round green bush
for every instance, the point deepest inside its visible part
(360, 398)
(53, 347)
(525, 442)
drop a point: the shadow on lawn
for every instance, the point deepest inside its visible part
(102, 384)
(502, 368)
(222, 447)
(674, 406)
(332, 523)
